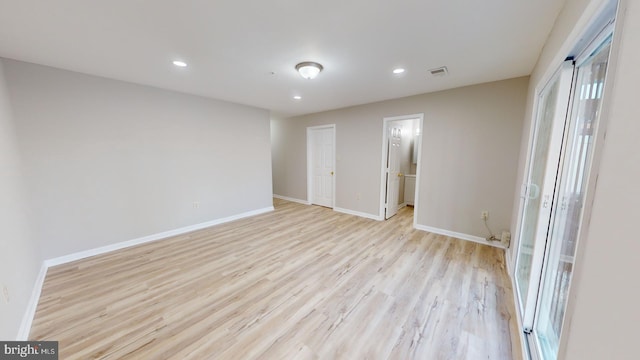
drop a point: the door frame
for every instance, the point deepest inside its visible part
(590, 173)
(383, 164)
(310, 131)
(589, 27)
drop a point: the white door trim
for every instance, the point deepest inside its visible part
(383, 165)
(310, 129)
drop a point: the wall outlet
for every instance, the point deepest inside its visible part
(5, 294)
(484, 215)
(196, 204)
(358, 196)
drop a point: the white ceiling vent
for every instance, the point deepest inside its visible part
(441, 71)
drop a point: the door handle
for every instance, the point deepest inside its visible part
(332, 173)
(534, 191)
(399, 174)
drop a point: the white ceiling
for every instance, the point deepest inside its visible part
(232, 47)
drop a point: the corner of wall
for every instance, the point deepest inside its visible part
(20, 257)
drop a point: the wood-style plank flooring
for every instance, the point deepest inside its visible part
(302, 282)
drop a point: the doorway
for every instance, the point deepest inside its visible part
(321, 165)
(400, 167)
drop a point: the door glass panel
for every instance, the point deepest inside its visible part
(570, 199)
(537, 172)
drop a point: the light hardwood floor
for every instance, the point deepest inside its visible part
(302, 282)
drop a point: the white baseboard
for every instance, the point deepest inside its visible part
(125, 244)
(340, 210)
(507, 258)
(458, 235)
(357, 213)
(27, 318)
(304, 202)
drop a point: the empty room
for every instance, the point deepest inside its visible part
(288, 179)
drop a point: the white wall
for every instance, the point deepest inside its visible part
(19, 257)
(603, 314)
(471, 138)
(109, 161)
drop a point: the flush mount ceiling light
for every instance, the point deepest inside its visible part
(309, 69)
(297, 97)
(398, 71)
(179, 63)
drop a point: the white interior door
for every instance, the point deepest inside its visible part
(393, 170)
(321, 157)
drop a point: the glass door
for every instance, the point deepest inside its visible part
(538, 192)
(569, 197)
(566, 124)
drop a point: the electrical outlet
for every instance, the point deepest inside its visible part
(196, 204)
(484, 215)
(5, 294)
(358, 195)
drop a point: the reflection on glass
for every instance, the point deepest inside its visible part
(536, 177)
(571, 193)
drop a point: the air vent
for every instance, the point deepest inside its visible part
(441, 71)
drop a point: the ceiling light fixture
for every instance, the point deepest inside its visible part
(179, 63)
(297, 97)
(398, 71)
(309, 69)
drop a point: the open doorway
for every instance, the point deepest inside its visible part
(401, 149)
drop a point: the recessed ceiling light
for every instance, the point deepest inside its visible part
(398, 71)
(297, 97)
(180, 63)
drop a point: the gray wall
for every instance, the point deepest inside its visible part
(471, 139)
(19, 258)
(109, 161)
